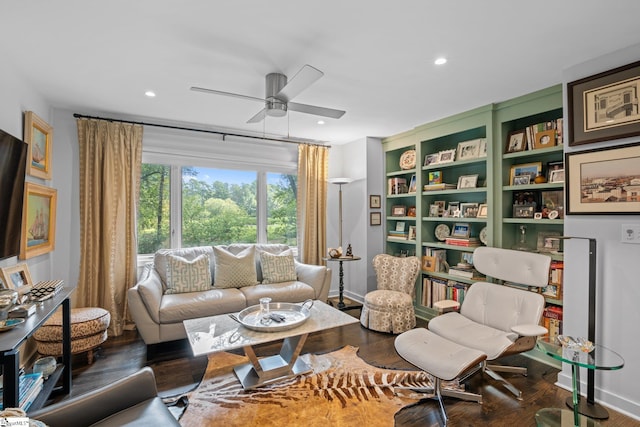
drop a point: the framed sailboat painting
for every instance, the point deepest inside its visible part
(38, 220)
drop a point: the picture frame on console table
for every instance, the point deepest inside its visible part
(38, 234)
(16, 277)
(38, 134)
(604, 106)
(618, 167)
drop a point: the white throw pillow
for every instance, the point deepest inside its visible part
(277, 268)
(234, 271)
(188, 276)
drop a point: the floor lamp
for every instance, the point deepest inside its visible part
(340, 182)
(590, 408)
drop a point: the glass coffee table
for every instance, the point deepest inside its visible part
(600, 358)
(227, 332)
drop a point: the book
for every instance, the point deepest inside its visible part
(459, 241)
(29, 386)
(467, 274)
(441, 186)
(397, 186)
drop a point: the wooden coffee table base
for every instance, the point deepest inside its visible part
(269, 369)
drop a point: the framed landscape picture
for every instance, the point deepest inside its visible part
(604, 181)
(38, 220)
(604, 106)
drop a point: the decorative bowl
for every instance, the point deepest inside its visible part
(46, 365)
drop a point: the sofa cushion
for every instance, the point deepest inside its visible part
(188, 275)
(234, 271)
(277, 268)
(272, 248)
(278, 292)
(178, 307)
(160, 258)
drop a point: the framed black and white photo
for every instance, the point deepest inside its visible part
(375, 218)
(468, 149)
(430, 159)
(468, 181)
(374, 201)
(469, 210)
(604, 106)
(604, 181)
(556, 175)
(516, 141)
(447, 156)
(398, 210)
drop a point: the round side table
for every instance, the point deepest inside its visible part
(341, 304)
(600, 358)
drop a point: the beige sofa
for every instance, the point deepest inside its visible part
(158, 313)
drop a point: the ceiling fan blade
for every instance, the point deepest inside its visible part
(219, 92)
(258, 117)
(318, 111)
(302, 80)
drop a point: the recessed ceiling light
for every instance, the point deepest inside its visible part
(441, 61)
(150, 93)
(320, 122)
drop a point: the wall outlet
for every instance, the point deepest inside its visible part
(630, 233)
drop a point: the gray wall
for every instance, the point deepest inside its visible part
(618, 282)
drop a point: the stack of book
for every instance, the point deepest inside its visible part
(394, 234)
(552, 320)
(463, 241)
(30, 386)
(441, 186)
(46, 289)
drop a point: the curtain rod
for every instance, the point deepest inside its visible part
(224, 134)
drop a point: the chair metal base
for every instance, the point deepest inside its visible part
(492, 371)
(438, 392)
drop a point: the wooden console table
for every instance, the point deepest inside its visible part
(11, 340)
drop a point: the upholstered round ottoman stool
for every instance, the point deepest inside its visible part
(388, 311)
(88, 330)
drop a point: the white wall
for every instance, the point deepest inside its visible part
(618, 283)
(19, 96)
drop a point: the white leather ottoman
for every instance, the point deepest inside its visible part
(443, 359)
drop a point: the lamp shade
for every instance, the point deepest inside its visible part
(340, 180)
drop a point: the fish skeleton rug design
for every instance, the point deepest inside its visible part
(342, 390)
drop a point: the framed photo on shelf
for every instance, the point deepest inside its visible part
(522, 180)
(469, 210)
(467, 181)
(431, 159)
(553, 200)
(545, 139)
(38, 134)
(603, 180)
(482, 147)
(548, 241)
(375, 218)
(552, 166)
(604, 106)
(412, 184)
(523, 211)
(556, 175)
(447, 156)
(16, 277)
(375, 201)
(411, 211)
(412, 233)
(38, 220)
(468, 149)
(552, 290)
(453, 207)
(398, 210)
(435, 177)
(400, 226)
(483, 210)
(434, 210)
(461, 229)
(530, 169)
(516, 141)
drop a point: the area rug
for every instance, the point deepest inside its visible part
(342, 390)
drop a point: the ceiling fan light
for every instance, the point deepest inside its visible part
(276, 108)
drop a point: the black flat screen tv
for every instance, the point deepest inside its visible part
(13, 162)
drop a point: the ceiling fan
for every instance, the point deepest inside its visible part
(279, 92)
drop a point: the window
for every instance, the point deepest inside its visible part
(211, 206)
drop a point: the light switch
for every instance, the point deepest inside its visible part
(630, 233)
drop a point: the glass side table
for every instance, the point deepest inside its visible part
(600, 358)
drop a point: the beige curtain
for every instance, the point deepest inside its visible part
(110, 159)
(313, 166)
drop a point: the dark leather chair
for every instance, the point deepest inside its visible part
(131, 401)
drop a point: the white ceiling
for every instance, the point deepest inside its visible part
(377, 56)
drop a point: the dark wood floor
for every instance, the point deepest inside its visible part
(177, 371)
